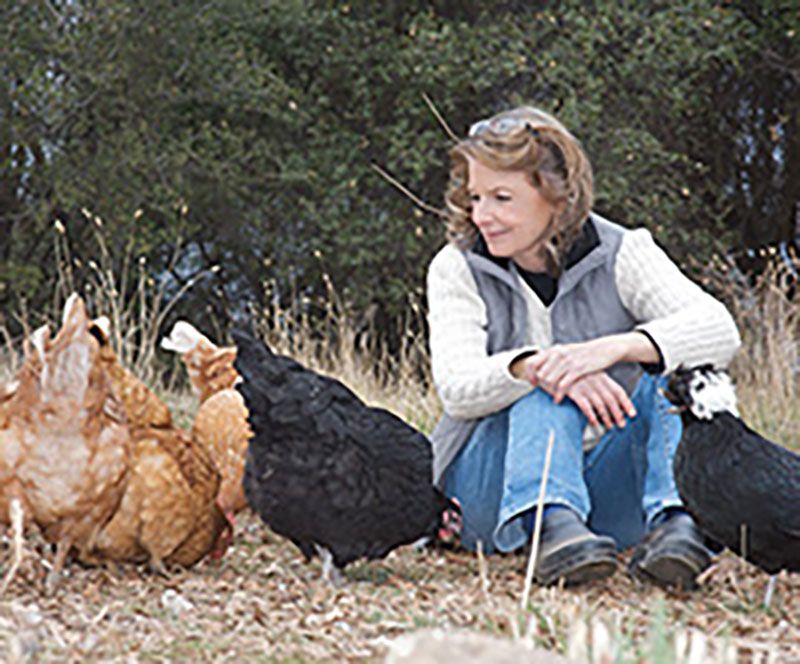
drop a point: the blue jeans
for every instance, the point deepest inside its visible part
(617, 487)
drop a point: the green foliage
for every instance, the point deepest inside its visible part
(248, 130)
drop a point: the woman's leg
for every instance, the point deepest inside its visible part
(633, 492)
(530, 421)
(475, 479)
(629, 472)
(497, 473)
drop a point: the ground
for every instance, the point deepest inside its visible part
(263, 602)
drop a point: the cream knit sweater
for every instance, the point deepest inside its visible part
(689, 326)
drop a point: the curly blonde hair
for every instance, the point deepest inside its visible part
(533, 141)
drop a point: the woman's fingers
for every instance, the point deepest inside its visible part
(611, 401)
(560, 366)
(586, 408)
(621, 397)
(562, 387)
(601, 407)
(550, 367)
(599, 397)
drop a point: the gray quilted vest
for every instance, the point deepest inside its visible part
(586, 306)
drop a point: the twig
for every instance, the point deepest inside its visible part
(440, 118)
(416, 199)
(537, 525)
(706, 574)
(17, 519)
(482, 571)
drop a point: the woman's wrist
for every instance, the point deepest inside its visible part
(632, 347)
(517, 366)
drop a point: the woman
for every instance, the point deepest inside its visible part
(546, 317)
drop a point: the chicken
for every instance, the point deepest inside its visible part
(221, 420)
(336, 477)
(23, 389)
(168, 514)
(210, 367)
(742, 489)
(221, 425)
(64, 445)
(142, 407)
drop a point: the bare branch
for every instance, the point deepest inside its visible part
(440, 118)
(416, 199)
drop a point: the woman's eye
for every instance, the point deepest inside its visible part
(503, 198)
(474, 198)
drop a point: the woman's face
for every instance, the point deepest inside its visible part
(510, 213)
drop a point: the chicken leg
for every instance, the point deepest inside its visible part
(54, 575)
(330, 573)
(17, 525)
(770, 590)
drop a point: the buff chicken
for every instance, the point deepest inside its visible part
(65, 447)
(221, 419)
(169, 513)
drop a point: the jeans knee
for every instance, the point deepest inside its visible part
(540, 406)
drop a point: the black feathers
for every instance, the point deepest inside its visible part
(325, 470)
(742, 489)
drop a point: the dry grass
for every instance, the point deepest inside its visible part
(767, 368)
(264, 603)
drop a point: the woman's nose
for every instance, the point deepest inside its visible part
(481, 213)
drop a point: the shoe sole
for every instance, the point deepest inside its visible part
(668, 573)
(580, 569)
(669, 569)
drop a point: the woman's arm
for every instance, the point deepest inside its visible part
(688, 325)
(679, 323)
(557, 368)
(470, 382)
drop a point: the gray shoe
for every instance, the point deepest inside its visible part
(569, 550)
(671, 555)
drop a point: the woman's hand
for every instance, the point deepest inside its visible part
(559, 367)
(601, 399)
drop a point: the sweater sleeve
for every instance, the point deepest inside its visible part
(470, 382)
(687, 324)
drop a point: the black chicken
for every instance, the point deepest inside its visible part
(336, 477)
(742, 489)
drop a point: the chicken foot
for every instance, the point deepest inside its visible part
(54, 575)
(17, 526)
(158, 567)
(770, 589)
(330, 572)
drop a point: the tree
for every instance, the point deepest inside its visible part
(248, 132)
